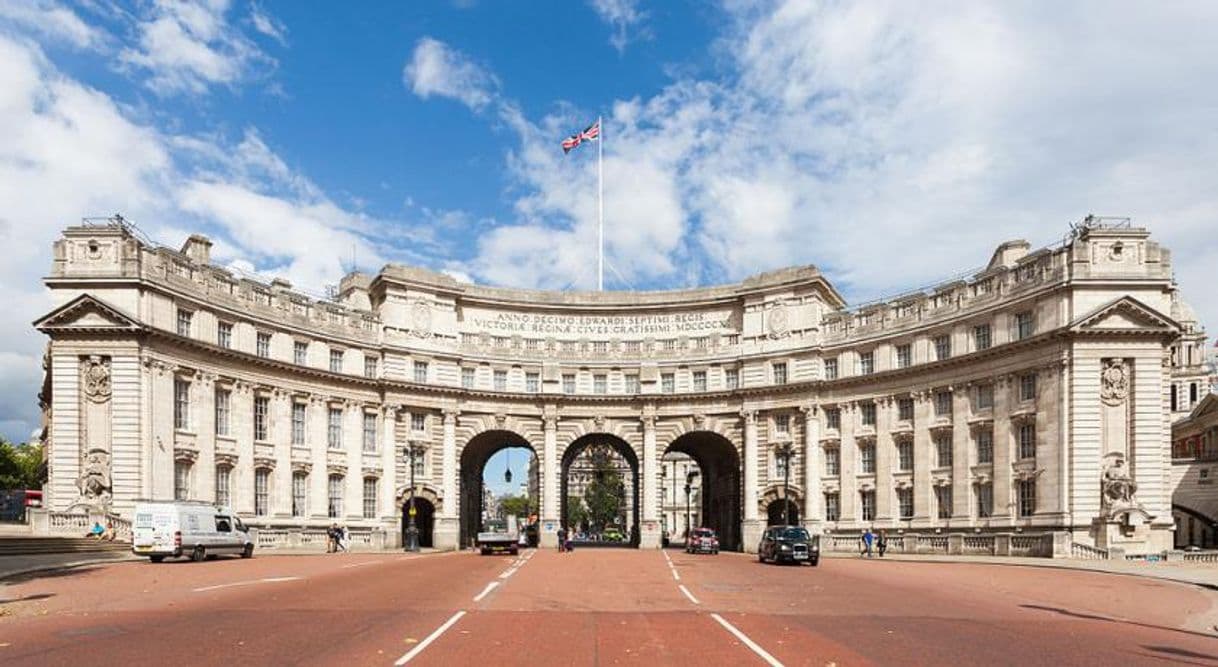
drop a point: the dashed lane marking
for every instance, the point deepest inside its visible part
(676, 576)
(268, 580)
(414, 652)
(486, 591)
(688, 594)
(371, 562)
(509, 572)
(744, 639)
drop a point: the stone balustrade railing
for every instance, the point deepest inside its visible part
(314, 539)
(1087, 552)
(1035, 545)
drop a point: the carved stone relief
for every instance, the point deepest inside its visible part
(1114, 382)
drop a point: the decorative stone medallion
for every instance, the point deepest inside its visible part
(1114, 382)
(779, 321)
(420, 319)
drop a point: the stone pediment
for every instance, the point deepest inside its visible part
(1125, 315)
(86, 313)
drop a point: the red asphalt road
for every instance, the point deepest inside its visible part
(597, 607)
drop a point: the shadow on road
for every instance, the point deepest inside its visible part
(57, 573)
(1179, 654)
(27, 598)
(1122, 621)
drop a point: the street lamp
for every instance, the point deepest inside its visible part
(412, 451)
(784, 452)
(689, 481)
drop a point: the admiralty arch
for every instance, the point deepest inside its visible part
(1029, 396)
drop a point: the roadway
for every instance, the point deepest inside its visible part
(598, 607)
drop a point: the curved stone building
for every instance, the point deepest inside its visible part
(1031, 396)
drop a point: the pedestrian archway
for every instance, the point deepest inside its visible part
(590, 465)
(719, 488)
(474, 456)
(424, 520)
(782, 512)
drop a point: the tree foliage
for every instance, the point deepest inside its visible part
(606, 493)
(515, 506)
(21, 466)
(577, 514)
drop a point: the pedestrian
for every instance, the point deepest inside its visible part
(340, 538)
(332, 538)
(562, 540)
(868, 540)
(882, 542)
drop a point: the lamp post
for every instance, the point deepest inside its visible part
(784, 452)
(410, 452)
(689, 481)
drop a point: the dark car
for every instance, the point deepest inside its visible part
(790, 544)
(702, 540)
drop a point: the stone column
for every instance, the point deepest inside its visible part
(885, 453)
(923, 454)
(848, 450)
(390, 453)
(814, 513)
(448, 525)
(550, 505)
(279, 433)
(1005, 399)
(751, 530)
(649, 533)
(962, 437)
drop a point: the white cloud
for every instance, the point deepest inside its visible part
(268, 25)
(437, 69)
(51, 20)
(624, 17)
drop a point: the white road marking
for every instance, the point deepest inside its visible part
(486, 591)
(676, 576)
(414, 652)
(268, 580)
(371, 562)
(509, 573)
(688, 594)
(770, 660)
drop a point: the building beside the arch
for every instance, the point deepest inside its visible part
(1030, 396)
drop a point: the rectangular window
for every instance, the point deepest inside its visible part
(780, 372)
(943, 403)
(263, 344)
(181, 404)
(370, 367)
(419, 462)
(905, 409)
(904, 502)
(943, 347)
(1023, 325)
(984, 397)
(782, 424)
(300, 353)
(943, 450)
(500, 379)
(420, 372)
(833, 462)
(300, 493)
(369, 497)
(224, 335)
(867, 458)
(981, 337)
(532, 382)
(1027, 387)
(668, 383)
(904, 355)
(699, 380)
(369, 432)
(418, 421)
(731, 378)
(867, 410)
(184, 319)
(1027, 441)
(600, 384)
(334, 429)
(780, 466)
(262, 491)
(867, 363)
(335, 496)
(632, 384)
(833, 418)
(833, 510)
(336, 361)
(181, 480)
(830, 369)
(943, 499)
(467, 378)
(867, 501)
(905, 462)
(985, 500)
(223, 498)
(262, 406)
(298, 423)
(224, 400)
(568, 383)
(985, 446)
(1026, 492)
(600, 347)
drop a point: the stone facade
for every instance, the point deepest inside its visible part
(1031, 396)
(1194, 471)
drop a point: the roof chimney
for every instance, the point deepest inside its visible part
(198, 249)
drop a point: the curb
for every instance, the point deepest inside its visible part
(70, 565)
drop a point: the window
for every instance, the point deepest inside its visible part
(181, 480)
(600, 384)
(262, 406)
(420, 371)
(370, 432)
(943, 499)
(904, 355)
(943, 347)
(833, 462)
(782, 424)
(224, 400)
(300, 493)
(419, 462)
(181, 404)
(298, 423)
(532, 382)
(905, 462)
(369, 497)
(184, 318)
(500, 379)
(334, 430)
(369, 367)
(1175, 400)
(943, 450)
(699, 380)
(568, 383)
(668, 383)
(985, 446)
(418, 421)
(1026, 497)
(780, 466)
(867, 500)
(904, 502)
(943, 403)
(1023, 325)
(866, 363)
(336, 361)
(833, 510)
(1192, 393)
(867, 457)
(780, 372)
(867, 410)
(224, 335)
(335, 496)
(833, 418)
(223, 498)
(985, 500)
(467, 378)
(830, 369)
(1027, 441)
(632, 384)
(300, 353)
(600, 347)
(262, 492)
(984, 397)
(981, 336)
(669, 345)
(1027, 387)
(731, 378)
(905, 409)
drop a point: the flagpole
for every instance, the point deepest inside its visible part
(600, 206)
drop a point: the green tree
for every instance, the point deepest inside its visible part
(515, 506)
(577, 514)
(606, 492)
(21, 466)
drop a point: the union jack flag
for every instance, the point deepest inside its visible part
(592, 133)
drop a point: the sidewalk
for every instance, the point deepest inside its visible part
(16, 566)
(1197, 574)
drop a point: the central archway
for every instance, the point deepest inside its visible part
(720, 488)
(474, 456)
(623, 449)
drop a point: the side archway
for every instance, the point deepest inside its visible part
(426, 504)
(721, 490)
(474, 455)
(579, 446)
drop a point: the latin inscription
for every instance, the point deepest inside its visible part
(603, 325)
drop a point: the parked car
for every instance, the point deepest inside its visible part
(187, 528)
(791, 544)
(702, 540)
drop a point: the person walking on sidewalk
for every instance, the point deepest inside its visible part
(881, 542)
(562, 540)
(868, 539)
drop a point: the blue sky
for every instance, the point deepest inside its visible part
(890, 144)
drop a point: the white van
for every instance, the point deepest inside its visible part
(187, 528)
